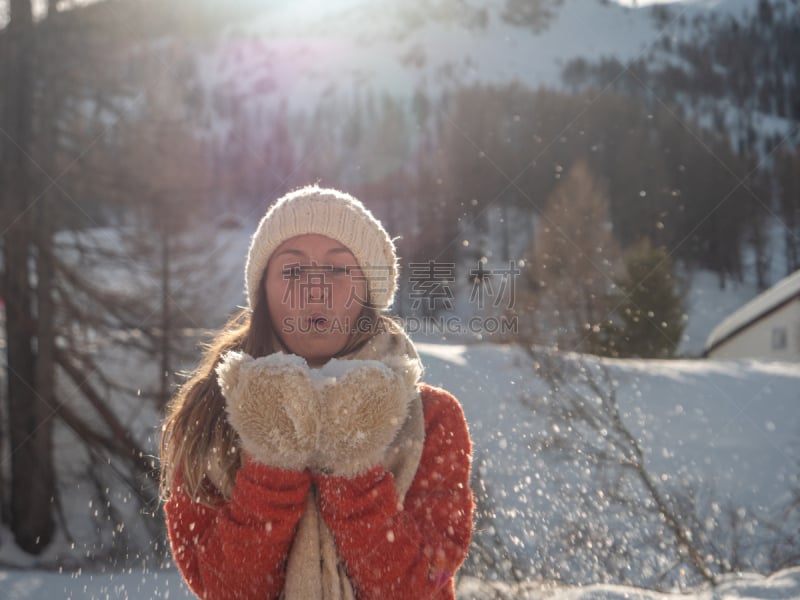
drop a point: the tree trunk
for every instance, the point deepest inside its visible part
(32, 484)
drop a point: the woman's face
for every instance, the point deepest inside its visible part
(315, 293)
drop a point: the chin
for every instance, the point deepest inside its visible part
(320, 354)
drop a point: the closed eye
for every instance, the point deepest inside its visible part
(292, 272)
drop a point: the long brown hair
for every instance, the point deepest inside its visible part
(196, 439)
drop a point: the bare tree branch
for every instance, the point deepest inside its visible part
(589, 422)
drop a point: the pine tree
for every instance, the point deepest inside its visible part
(650, 315)
(573, 265)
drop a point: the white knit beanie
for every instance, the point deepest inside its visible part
(336, 215)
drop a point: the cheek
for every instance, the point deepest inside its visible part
(353, 295)
(278, 298)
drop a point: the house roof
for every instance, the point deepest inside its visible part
(769, 300)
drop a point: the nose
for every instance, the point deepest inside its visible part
(316, 290)
(316, 286)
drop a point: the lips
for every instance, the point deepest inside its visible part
(317, 321)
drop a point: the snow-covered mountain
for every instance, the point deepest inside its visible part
(340, 58)
(304, 51)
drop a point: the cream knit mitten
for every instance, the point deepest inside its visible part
(362, 409)
(273, 406)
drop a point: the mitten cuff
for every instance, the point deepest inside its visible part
(356, 466)
(357, 485)
(285, 460)
(261, 474)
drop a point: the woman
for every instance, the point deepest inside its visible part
(304, 458)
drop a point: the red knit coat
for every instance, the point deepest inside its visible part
(239, 549)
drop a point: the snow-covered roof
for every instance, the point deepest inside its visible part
(780, 293)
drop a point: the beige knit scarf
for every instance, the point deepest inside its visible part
(314, 569)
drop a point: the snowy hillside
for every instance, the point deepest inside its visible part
(305, 51)
(299, 53)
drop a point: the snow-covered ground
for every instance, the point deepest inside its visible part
(734, 426)
(730, 430)
(167, 585)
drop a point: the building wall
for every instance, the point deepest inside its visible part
(775, 337)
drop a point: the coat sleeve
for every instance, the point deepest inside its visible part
(238, 549)
(411, 550)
